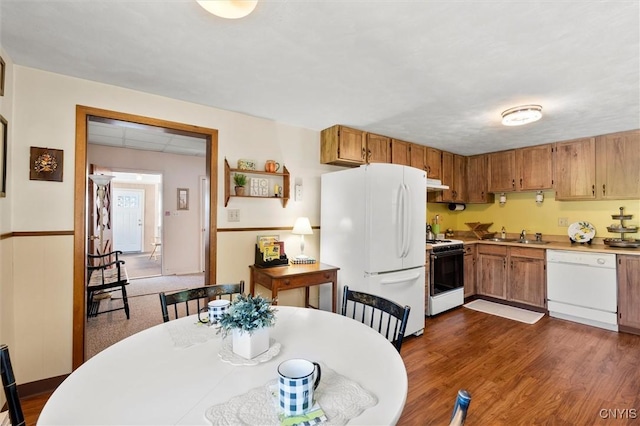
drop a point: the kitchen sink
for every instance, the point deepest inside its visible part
(501, 240)
(531, 242)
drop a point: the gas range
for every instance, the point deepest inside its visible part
(445, 245)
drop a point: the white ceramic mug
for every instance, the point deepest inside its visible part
(298, 379)
(215, 309)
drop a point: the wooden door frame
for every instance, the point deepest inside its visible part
(80, 208)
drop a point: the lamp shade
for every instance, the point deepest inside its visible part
(302, 226)
(229, 9)
(101, 180)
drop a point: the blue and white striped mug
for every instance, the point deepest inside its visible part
(298, 379)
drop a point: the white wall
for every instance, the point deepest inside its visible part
(44, 116)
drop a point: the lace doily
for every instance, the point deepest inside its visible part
(185, 334)
(227, 355)
(341, 399)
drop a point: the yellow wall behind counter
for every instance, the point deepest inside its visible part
(522, 212)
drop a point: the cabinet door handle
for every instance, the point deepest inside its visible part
(513, 183)
(364, 153)
(368, 155)
(520, 183)
(603, 189)
(593, 190)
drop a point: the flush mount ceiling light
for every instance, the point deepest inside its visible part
(520, 115)
(230, 9)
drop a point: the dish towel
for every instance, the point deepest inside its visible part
(340, 398)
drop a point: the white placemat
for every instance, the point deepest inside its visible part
(226, 353)
(185, 333)
(341, 399)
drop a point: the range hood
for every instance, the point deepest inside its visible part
(434, 185)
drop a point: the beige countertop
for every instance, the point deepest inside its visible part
(556, 244)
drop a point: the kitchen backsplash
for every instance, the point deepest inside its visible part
(521, 212)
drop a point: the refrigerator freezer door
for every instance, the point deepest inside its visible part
(404, 288)
(395, 217)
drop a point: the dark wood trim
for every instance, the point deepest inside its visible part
(83, 113)
(50, 384)
(40, 233)
(627, 329)
(270, 228)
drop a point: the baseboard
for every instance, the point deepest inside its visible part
(26, 390)
(627, 329)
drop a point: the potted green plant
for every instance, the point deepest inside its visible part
(240, 180)
(248, 320)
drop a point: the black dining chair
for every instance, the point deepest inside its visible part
(201, 296)
(10, 389)
(387, 317)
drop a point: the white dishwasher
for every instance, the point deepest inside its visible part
(582, 287)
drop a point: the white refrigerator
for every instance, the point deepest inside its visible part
(372, 226)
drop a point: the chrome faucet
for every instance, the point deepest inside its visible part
(523, 235)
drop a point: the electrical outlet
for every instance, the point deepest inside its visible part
(233, 215)
(298, 192)
(563, 221)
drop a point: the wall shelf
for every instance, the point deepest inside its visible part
(228, 181)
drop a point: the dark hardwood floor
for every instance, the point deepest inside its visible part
(554, 372)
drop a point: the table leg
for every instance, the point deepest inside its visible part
(274, 294)
(306, 297)
(334, 292)
(252, 283)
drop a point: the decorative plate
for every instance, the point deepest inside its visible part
(581, 232)
(226, 353)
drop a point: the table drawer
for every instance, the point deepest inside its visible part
(306, 280)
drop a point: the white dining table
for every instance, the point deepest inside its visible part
(150, 379)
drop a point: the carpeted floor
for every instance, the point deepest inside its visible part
(144, 305)
(142, 265)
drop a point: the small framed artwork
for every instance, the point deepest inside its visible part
(183, 199)
(2, 72)
(3, 156)
(46, 164)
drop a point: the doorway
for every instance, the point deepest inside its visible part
(83, 115)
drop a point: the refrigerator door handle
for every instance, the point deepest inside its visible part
(402, 220)
(400, 225)
(407, 220)
(400, 280)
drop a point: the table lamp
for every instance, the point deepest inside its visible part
(302, 227)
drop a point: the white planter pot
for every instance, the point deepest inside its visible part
(250, 345)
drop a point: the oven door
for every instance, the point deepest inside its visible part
(446, 272)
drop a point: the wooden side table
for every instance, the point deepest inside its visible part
(295, 276)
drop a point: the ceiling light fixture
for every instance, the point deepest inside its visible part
(229, 9)
(520, 115)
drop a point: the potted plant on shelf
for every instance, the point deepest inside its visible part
(240, 180)
(248, 320)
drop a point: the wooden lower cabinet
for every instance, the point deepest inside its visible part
(516, 274)
(527, 282)
(469, 270)
(629, 291)
(492, 271)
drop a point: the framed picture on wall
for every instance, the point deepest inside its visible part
(3, 156)
(46, 164)
(183, 199)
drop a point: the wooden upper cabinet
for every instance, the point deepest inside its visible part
(502, 171)
(417, 156)
(433, 160)
(477, 180)
(535, 168)
(575, 171)
(378, 148)
(454, 172)
(618, 166)
(343, 146)
(400, 152)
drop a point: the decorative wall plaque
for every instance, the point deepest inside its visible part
(46, 164)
